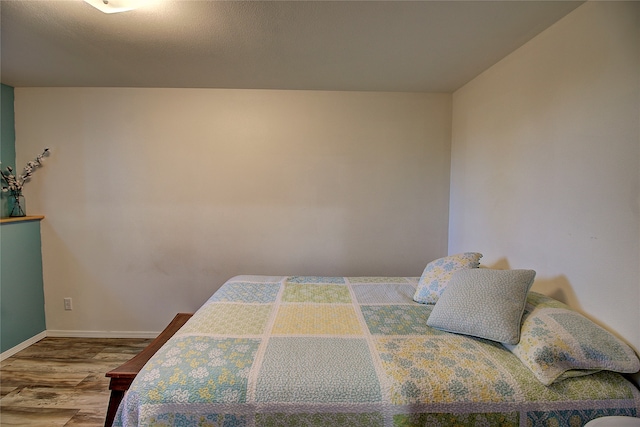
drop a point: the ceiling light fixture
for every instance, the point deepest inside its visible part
(115, 6)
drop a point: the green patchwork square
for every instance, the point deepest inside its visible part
(198, 370)
(373, 419)
(489, 419)
(315, 279)
(397, 319)
(247, 292)
(295, 292)
(377, 279)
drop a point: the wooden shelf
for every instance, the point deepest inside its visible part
(21, 218)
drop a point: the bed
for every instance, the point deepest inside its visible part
(357, 351)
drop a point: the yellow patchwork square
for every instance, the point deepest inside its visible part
(229, 319)
(293, 319)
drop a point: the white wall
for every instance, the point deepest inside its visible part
(154, 197)
(546, 163)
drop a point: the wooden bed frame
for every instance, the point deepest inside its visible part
(123, 375)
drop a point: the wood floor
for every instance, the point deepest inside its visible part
(61, 382)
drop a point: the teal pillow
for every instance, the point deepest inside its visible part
(484, 303)
(558, 343)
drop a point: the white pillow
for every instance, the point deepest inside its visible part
(484, 303)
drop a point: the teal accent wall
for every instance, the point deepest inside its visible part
(21, 284)
(21, 287)
(7, 127)
(8, 138)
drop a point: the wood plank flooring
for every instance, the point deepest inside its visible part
(60, 381)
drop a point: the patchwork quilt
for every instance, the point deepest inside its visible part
(352, 351)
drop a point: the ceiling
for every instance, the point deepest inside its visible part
(415, 46)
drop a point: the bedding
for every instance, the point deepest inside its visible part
(353, 351)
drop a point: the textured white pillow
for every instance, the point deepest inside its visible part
(437, 274)
(484, 303)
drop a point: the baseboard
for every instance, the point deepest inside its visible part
(59, 333)
(22, 345)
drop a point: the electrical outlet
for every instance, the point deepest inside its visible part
(67, 304)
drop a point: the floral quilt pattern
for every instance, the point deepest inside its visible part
(316, 351)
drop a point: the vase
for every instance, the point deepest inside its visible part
(17, 205)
